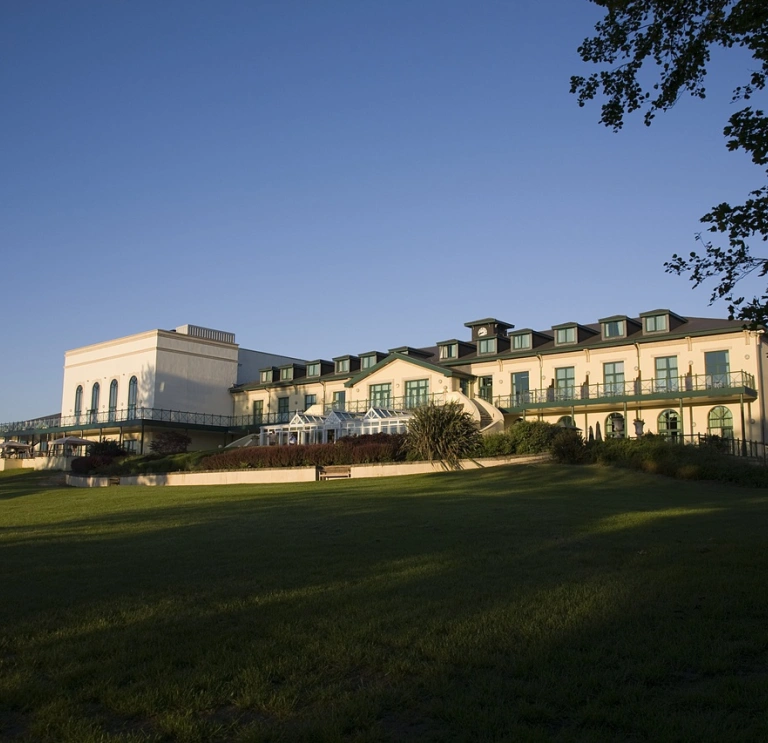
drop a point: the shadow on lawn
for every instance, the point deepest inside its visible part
(477, 605)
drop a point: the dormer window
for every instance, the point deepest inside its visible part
(266, 376)
(565, 335)
(449, 351)
(286, 374)
(655, 323)
(486, 345)
(366, 362)
(614, 329)
(313, 370)
(342, 366)
(521, 342)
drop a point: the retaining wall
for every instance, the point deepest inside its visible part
(291, 474)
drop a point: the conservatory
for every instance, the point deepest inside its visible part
(305, 428)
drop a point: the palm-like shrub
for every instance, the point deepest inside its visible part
(442, 432)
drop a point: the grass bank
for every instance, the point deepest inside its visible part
(535, 603)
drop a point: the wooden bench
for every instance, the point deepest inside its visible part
(114, 480)
(334, 472)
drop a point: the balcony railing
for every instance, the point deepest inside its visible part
(386, 402)
(659, 387)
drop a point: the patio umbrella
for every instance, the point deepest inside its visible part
(71, 441)
(591, 434)
(598, 435)
(14, 445)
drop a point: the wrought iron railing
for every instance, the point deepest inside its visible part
(387, 402)
(632, 388)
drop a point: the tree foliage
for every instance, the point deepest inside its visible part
(170, 442)
(676, 38)
(442, 432)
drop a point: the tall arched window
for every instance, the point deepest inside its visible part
(720, 422)
(614, 426)
(670, 426)
(78, 402)
(133, 393)
(94, 411)
(112, 399)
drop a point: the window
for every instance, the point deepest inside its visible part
(131, 446)
(313, 370)
(520, 390)
(614, 426)
(717, 369)
(339, 400)
(720, 422)
(380, 395)
(286, 374)
(416, 393)
(78, 403)
(113, 400)
(613, 329)
(449, 351)
(258, 412)
(342, 366)
(133, 394)
(565, 335)
(485, 388)
(613, 378)
(670, 426)
(655, 323)
(521, 342)
(309, 401)
(282, 409)
(486, 345)
(94, 411)
(565, 383)
(266, 376)
(366, 362)
(667, 379)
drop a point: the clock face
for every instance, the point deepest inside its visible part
(482, 331)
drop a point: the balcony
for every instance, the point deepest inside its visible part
(409, 402)
(695, 385)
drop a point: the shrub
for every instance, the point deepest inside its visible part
(568, 447)
(107, 448)
(495, 445)
(170, 442)
(353, 450)
(532, 437)
(442, 432)
(91, 464)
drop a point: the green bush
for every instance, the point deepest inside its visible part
(532, 437)
(568, 447)
(656, 455)
(444, 433)
(170, 442)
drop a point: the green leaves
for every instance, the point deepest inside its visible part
(674, 39)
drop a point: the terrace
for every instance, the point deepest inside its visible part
(730, 384)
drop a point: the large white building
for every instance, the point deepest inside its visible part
(657, 372)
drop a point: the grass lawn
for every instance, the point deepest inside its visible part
(537, 603)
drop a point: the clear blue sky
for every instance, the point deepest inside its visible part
(329, 177)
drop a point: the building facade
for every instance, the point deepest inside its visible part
(658, 372)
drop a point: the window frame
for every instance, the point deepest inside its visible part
(522, 342)
(487, 346)
(566, 336)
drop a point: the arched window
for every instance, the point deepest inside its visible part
(112, 399)
(670, 426)
(566, 422)
(614, 426)
(720, 422)
(78, 402)
(133, 393)
(94, 411)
